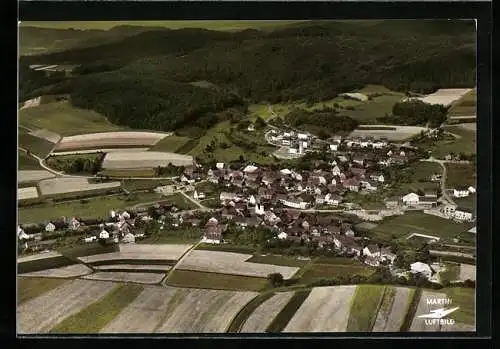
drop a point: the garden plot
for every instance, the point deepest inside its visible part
(231, 263)
(445, 96)
(27, 193)
(72, 184)
(262, 317)
(467, 271)
(392, 133)
(393, 310)
(33, 175)
(145, 312)
(120, 276)
(206, 311)
(50, 136)
(141, 251)
(69, 271)
(121, 267)
(418, 324)
(145, 159)
(325, 310)
(109, 140)
(39, 315)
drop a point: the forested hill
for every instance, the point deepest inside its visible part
(307, 61)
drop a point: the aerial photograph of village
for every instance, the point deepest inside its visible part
(239, 177)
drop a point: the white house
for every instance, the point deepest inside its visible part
(410, 199)
(259, 209)
(460, 193)
(251, 200)
(112, 213)
(285, 142)
(195, 195)
(103, 234)
(201, 196)
(90, 239)
(449, 209)
(378, 145)
(389, 153)
(21, 234)
(422, 268)
(334, 147)
(371, 251)
(377, 177)
(282, 236)
(336, 171)
(463, 216)
(74, 224)
(298, 204)
(471, 190)
(302, 136)
(219, 165)
(285, 172)
(250, 169)
(50, 227)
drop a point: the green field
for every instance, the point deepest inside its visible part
(181, 202)
(467, 203)
(36, 145)
(226, 248)
(246, 311)
(29, 288)
(90, 208)
(418, 222)
(465, 298)
(465, 106)
(144, 184)
(286, 261)
(465, 144)
(170, 144)
(206, 24)
(460, 175)
(63, 118)
(286, 314)
(198, 279)
(98, 314)
(176, 236)
(452, 273)
(26, 162)
(316, 271)
(364, 308)
(142, 173)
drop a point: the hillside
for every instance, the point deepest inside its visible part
(311, 62)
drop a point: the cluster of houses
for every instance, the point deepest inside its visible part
(296, 142)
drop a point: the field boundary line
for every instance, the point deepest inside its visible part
(411, 310)
(259, 299)
(163, 281)
(379, 305)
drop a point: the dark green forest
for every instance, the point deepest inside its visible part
(325, 122)
(145, 80)
(416, 113)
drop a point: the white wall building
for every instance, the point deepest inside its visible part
(410, 199)
(103, 234)
(460, 193)
(462, 216)
(302, 136)
(422, 268)
(50, 227)
(334, 147)
(294, 203)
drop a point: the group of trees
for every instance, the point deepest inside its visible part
(324, 122)
(150, 86)
(87, 163)
(169, 171)
(416, 113)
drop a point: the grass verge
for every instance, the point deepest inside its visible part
(98, 314)
(285, 315)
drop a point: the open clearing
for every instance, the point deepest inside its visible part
(146, 159)
(467, 272)
(99, 313)
(393, 310)
(120, 276)
(29, 288)
(364, 308)
(27, 193)
(72, 184)
(70, 271)
(47, 135)
(141, 251)
(398, 133)
(39, 315)
(64, 119)
(146, 311)
(231, 263)
(325, 310)
(262, 317)
(445, 96)
(33, 175)
(109, 140)
(205, 311)
(216, 281)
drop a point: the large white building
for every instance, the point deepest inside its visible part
(411, 199)
(422, 268)
(463, 216)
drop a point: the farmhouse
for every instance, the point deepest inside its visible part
(422, 268)
(449, 209)
(50, 227)
(347, 244)
(213, 234)
(411, 199)
(460, 193)
(294, 203)
(462, 215)
(103, 234)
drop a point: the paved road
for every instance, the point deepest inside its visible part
(443, 179)
(196, 202)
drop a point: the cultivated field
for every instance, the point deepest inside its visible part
(47, 135)
(29, 288)
(205, 311)
(325, 310)
(364, 308)
(109, 140)
(467, 271)
(231, 263)
(392, 133)
(38, 256)
(30, 103)
(132, 267)
(262, 317)
(33, 175)
(171, 144)
(72, 184)
(141, 251)
(120, 276)
(215, 281)
(27, 193)
(91, 151)
(418, 324)
(40, 314)
(445, 96)
(146, 159)
(70, 271)
(393, 310)
(64, 119)
(38, 146)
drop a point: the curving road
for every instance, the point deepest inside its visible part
(444, 194)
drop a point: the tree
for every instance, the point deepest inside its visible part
(259, 123)
(276, 279)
